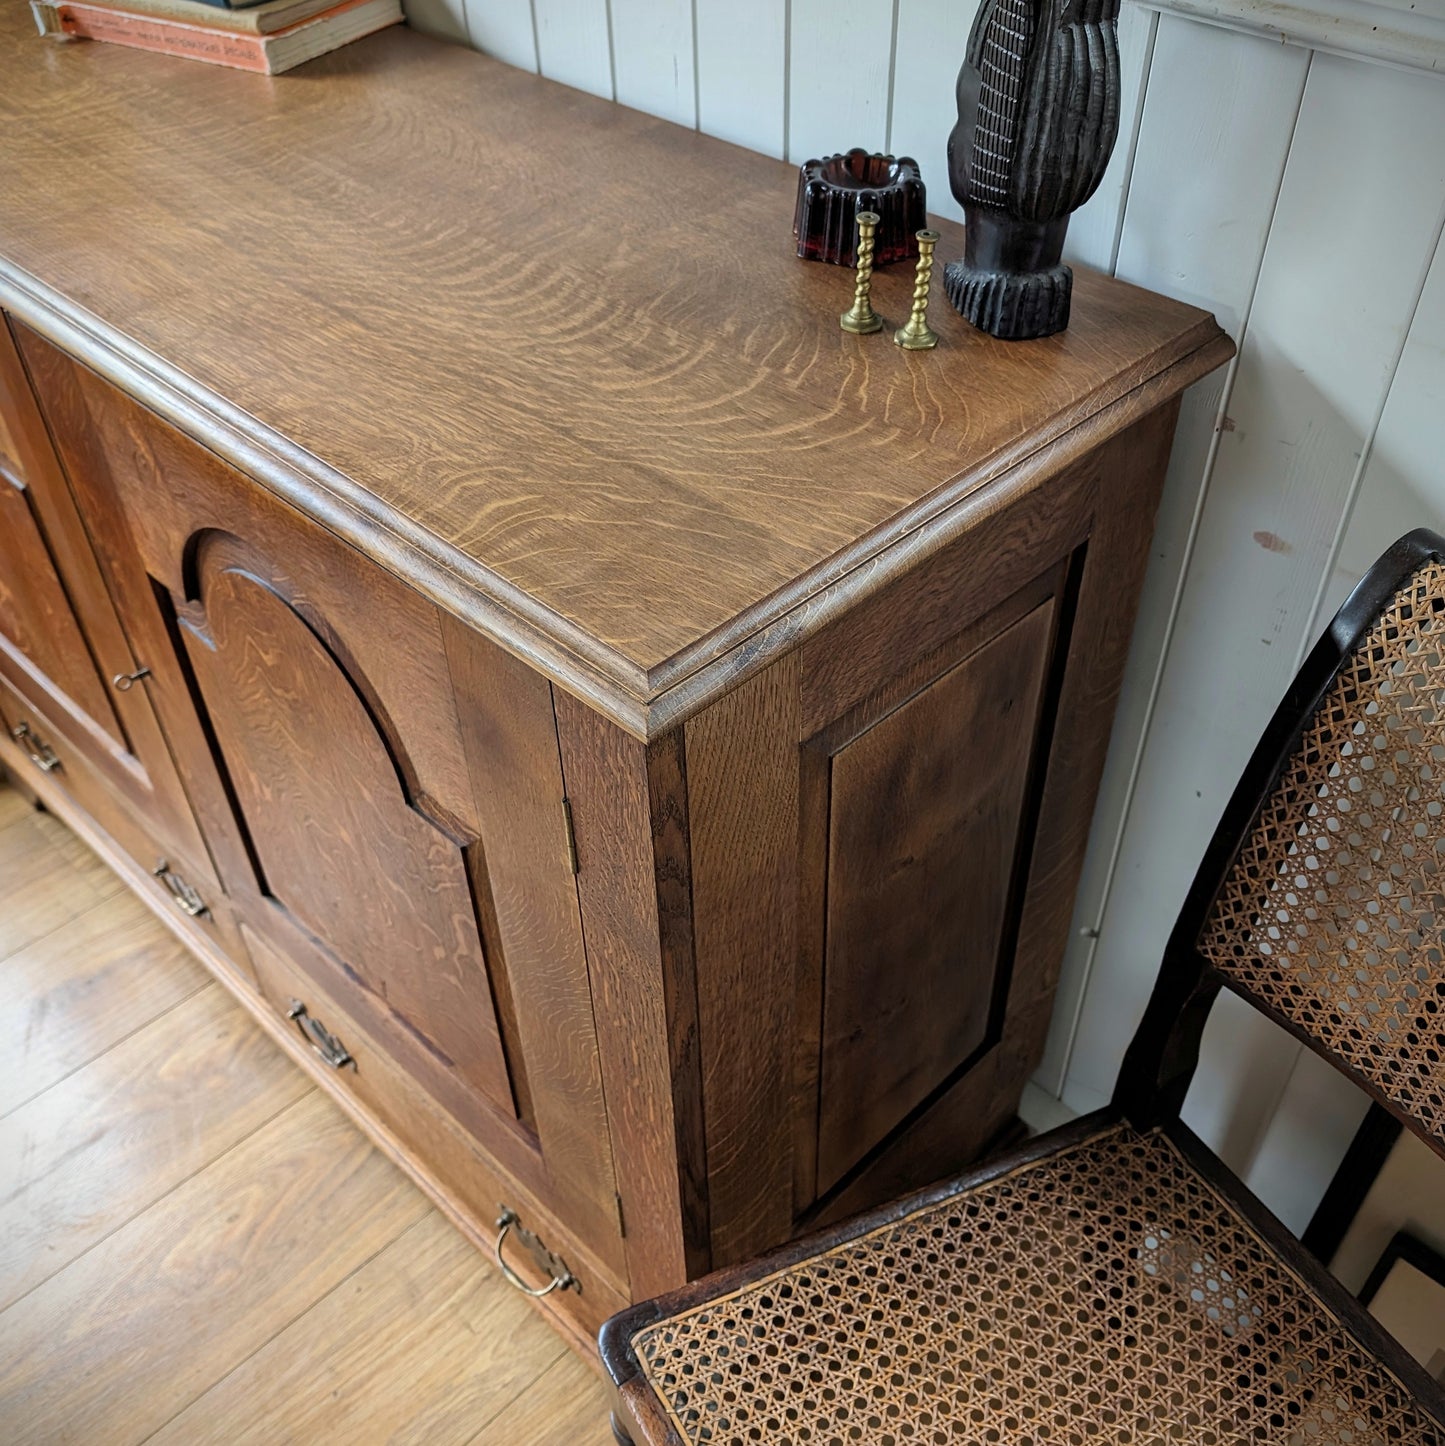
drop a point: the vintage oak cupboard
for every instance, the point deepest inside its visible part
(631, 740)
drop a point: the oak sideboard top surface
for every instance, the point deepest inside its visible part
(549, 359)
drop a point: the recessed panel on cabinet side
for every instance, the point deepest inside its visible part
(923, 815)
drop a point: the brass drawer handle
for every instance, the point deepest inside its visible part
(40, 753)
(188, 901)
(560, 1277)
(124, 682)
(320, 1038)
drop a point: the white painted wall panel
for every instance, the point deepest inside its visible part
(1094, 227)
(840, 71)
(503, 29)
(653, 58)
(574, 43)
(1319, 352)
(742, 68)
(932, 37)
(1229, 102)
(1404, 481)
(1306, 1137)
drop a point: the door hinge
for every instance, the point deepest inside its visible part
(571, 835)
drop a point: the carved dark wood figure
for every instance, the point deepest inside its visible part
(1038, 114)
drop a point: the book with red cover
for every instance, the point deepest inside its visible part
(266, 54)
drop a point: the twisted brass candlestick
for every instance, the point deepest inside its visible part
(860, 318)
(915, 335)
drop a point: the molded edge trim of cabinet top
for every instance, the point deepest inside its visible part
(648, 503)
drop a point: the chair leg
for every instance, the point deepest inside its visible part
(619, 1432)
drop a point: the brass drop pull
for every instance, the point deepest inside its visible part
(320, 1038)
(188, 901)
(124, 682)
(40, 753)
(560, 1277)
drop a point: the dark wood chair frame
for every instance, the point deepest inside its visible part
(1157, 1067)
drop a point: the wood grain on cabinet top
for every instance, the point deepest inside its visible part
(550, 359)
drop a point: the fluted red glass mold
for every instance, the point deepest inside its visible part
(833, 190)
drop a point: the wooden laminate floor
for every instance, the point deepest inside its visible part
(195, 1244)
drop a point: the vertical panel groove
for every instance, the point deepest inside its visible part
(1096, 923)
(696, 75)
(1134, 142)
(787, 80)
(1367, 450)
(892, 81)
(611, 51)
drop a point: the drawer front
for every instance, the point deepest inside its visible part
(476, 1186)
(61, 643)
(381, 789)
(41, 751)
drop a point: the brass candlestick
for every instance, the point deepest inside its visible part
(915, 336)
(860, 318)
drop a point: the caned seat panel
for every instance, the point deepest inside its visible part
(1104, 1293)
(1333, 912)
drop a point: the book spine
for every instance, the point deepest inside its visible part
(187, 12)
(93, 22)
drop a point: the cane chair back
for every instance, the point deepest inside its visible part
(1332, 917)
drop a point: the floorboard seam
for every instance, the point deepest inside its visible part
(512, 1400)
(164, 1195)
(64, 923)
(114, 1044)
(300, 1315)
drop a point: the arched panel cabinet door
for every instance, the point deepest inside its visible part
(343, 850)
(382, 791)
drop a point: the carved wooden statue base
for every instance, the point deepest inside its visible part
(1011, 282)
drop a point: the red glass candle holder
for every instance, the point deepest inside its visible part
(833, 190)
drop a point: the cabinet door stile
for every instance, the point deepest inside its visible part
(630, 805)
(509, 731)
(61, 641)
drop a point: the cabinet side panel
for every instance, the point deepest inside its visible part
(1118, 485)
(1128, 476)
(742, 771)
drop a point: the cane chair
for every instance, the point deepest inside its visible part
(1112, 1280)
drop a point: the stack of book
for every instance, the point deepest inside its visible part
(265, 35)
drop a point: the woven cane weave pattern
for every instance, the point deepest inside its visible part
(1104, 1294)
(1333, 914)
